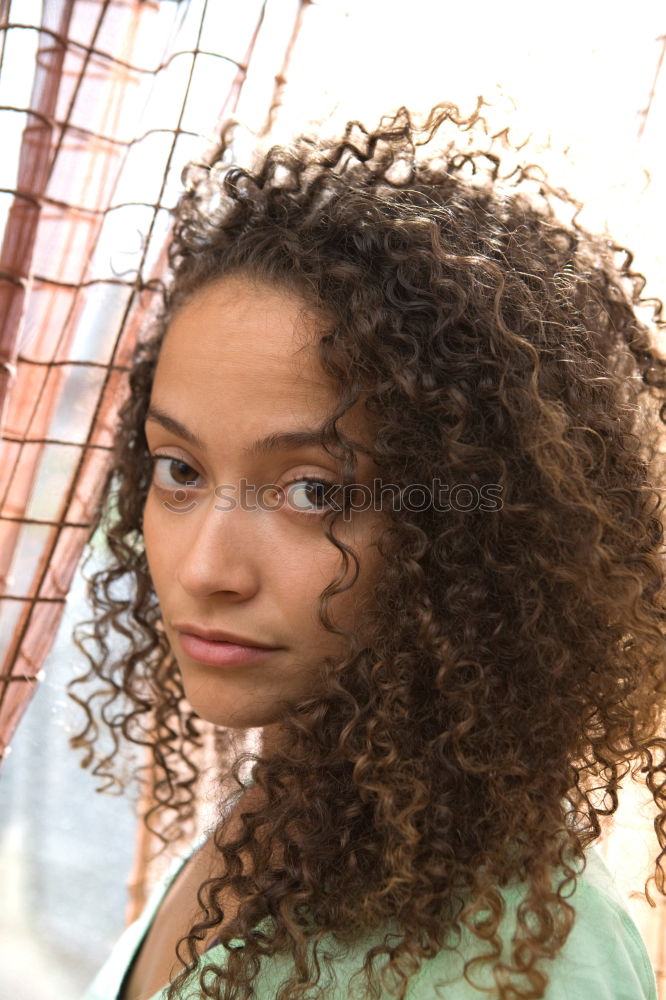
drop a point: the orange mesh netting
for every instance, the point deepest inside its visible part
(116, 99)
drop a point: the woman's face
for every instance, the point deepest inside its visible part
(239, 363)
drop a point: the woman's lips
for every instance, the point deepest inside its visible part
(221, 654)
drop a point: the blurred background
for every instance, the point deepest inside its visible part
(102, 102)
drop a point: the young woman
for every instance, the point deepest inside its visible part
(387, 487)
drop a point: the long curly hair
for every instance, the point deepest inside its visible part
(512, 669)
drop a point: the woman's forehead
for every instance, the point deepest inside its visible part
(245, 351)
(238, 326)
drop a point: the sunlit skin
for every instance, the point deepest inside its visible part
(239, 362)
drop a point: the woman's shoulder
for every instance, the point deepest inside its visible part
(605, 952)
(603, 958)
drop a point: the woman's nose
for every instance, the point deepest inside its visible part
(220, 549)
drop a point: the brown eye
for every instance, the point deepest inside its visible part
(170, 472)
(310, 496)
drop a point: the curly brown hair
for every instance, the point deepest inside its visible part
(512, 671)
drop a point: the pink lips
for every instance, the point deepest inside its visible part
(217, 653)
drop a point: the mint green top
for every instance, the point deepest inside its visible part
(604, 957)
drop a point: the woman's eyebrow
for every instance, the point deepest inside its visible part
(298, 438)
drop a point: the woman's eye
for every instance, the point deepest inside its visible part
(170, 472)
(311, 496)
(308, 496)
